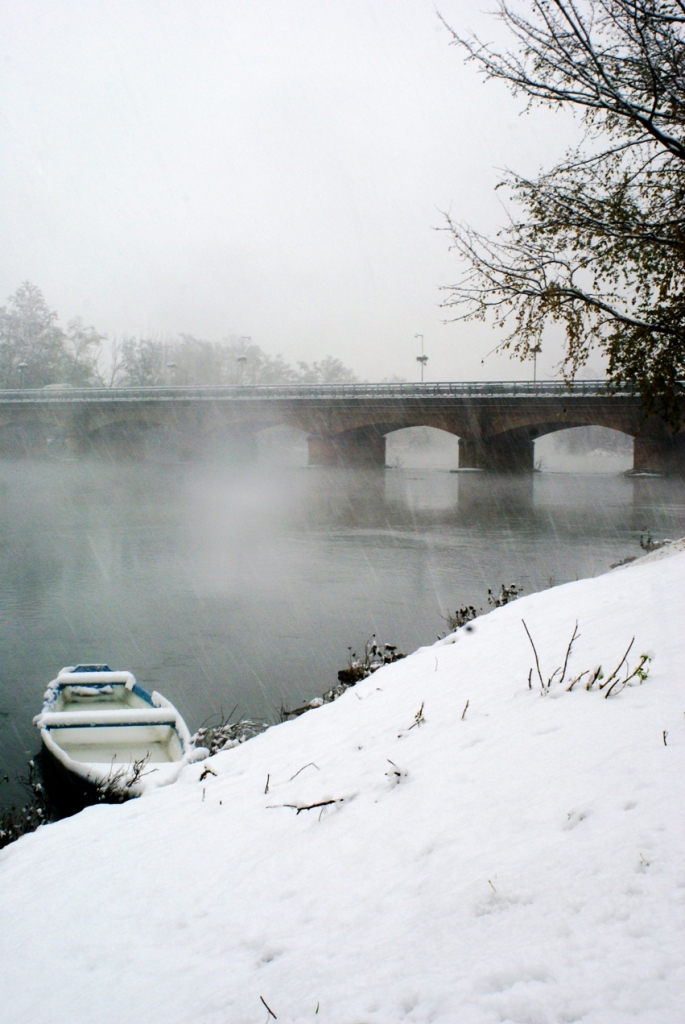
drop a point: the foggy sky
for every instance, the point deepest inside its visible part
(258, 167)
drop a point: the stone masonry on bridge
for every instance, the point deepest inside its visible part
(497, 423)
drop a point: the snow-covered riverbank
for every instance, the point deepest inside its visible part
(522, 861)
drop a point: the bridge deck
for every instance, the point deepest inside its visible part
(326, 392)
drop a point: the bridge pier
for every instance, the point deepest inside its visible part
(656, 450)
(361, 448)
(504, 453)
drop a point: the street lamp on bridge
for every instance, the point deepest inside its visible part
(422, 358)
(21, 367)
(242, 363)
(536, 352)
(242, 359)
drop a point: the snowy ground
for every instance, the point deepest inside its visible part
(522, 862)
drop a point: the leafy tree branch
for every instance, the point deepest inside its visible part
(599, 246)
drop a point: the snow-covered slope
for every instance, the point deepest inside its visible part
(522, 862)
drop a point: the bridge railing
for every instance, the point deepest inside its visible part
(309, 392)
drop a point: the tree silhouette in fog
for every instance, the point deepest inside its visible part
(35, 350)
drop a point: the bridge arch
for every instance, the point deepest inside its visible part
(367, 444)
(249, 441)
(656, 449)
(514, 450)
(587, 449)
(361, 446)
(422, 447)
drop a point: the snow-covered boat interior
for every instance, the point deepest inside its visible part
(119, 744)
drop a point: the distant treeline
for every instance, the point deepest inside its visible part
(36, 351)
(187, 360)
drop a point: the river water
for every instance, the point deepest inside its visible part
(236, 587)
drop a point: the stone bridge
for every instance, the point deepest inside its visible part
(497, 423)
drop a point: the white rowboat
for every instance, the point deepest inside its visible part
(106, 730)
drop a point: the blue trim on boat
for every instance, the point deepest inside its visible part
(110, 725)
(88, 682)
(142, 693)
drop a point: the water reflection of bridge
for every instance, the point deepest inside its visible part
(497, 422)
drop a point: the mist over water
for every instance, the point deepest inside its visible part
(228, 586)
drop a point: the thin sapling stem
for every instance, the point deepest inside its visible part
(537, 660)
